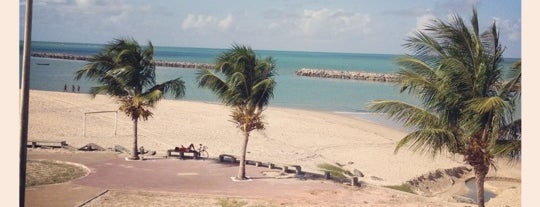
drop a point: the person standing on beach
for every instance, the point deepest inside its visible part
(72, 88)
(65, 87)
(78, 88)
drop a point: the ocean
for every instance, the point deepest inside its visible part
(348, 97)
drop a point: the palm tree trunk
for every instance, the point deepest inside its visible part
(480, 173)
(481, 168)
(135, 153)
(242, 168)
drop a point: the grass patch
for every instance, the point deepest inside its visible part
(42, 172)
(335, 170)
(403, 187)
(231, 203)
(227, 202)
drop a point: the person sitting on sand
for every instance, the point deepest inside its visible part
(141, 150)
(148, 152)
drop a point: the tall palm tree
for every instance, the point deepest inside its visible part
(126, 71)
(466, 107)
(244, 82)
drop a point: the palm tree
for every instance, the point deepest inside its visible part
(127, 72)
(244, 82)
(466, 107)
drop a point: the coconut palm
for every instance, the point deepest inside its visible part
(126, 71)
(466, 107)
(244, 82)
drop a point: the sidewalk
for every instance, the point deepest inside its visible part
(110, 171)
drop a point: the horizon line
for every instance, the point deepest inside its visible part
(218, 48)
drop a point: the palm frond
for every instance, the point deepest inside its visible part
(94, 91)
(487, 113)
(430, 140)
(210, 80)
(409, 115)
(508, 143)
(512, 88)
(153, 95)
(508, 148)
(240, 85)
(424, 45)
(175, 86)
(487, 104)
(263, 91)
(99, 66)
(414, 82)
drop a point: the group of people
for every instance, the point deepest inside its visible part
(72, 88)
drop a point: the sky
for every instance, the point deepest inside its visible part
(358, 26)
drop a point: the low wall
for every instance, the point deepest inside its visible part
(352, 75)
(158, 62)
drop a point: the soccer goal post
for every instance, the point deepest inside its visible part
(100, 112)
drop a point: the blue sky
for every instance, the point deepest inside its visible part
(303, 25)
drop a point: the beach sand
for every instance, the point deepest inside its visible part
(292, 136)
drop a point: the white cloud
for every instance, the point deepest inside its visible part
(455, 5)
(273, 25)
(199, 21)
(225, 23)
(53, 1)
(121, 16)
(424, 20)
(83, 3)
(327, 21)
(203, 21)
(323, 23)
(45, 2)
(510, 30)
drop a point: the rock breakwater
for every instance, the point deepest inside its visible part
(352, 75)
(162, 63)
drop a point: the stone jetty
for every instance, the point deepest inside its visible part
(349, 75)
(162, 63)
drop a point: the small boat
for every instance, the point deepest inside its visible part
(43, 63)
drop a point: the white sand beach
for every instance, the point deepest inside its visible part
(292, 136)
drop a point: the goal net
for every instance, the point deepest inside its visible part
(89, 114)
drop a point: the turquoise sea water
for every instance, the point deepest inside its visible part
(344, 96)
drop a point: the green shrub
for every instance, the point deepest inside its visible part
(335, 170)
(403, 187)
